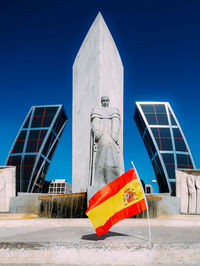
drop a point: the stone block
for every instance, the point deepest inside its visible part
(7, 186)
(160, 204)
(26, 203)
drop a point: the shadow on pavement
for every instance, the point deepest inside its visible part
(94, 237)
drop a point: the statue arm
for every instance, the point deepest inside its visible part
(96, 129)
(115, 129)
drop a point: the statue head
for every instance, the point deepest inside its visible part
(105, 101)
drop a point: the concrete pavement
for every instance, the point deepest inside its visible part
(176, 241)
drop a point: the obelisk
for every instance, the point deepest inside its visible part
(97, 71)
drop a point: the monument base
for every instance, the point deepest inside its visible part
(74, 205)
(26, 203)
(160, 204)
(91, 190)
(71, 205)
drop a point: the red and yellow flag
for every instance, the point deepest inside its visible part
(118, 200)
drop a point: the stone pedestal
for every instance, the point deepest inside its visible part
(91, 190)
(97, 71)
(26, 203)
(7, 186)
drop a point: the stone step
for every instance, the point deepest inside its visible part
(105, 254)
(74, 242)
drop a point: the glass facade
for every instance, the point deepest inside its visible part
(34, 146)
(164, 141)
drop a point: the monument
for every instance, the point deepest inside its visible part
(97, 72)
(105, 160)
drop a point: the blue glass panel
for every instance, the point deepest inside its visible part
(179, 141)
(147, 108)
(51, 110)
(163, 138)
(162, 119)
(43, 117)
(151, 119)
(19, 144)
(155, 114)
(169, 164)
(160, 108)
(184, 161)
(35, 139)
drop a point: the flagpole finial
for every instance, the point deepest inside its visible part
(132, 164)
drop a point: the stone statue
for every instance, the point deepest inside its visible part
(105, 153)
(182, 190)
(198, 193)
(192, 194)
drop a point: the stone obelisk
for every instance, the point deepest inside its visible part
(97, 71)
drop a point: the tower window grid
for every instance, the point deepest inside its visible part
(35, 144)
(166, 136)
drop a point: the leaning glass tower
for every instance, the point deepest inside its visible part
(35, 144)
(164, 141)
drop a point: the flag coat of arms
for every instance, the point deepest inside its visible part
(120, 199)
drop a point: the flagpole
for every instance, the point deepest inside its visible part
(149, 228)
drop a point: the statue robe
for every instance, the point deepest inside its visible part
(107, 164)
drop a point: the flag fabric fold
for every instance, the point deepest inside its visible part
(120, 199)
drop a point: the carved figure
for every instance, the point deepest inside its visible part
(198, 193)
(184, 193)
(105, 127)
(192, 194)
(188, 190)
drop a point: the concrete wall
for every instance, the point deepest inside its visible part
(26, 203)
(7, 186)
(97, 71)
(159, 204)
(157, 207)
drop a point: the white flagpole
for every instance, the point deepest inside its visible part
(149, 228)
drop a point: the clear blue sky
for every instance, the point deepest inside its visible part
(159, 43)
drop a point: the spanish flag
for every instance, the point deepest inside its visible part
(118, 200)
